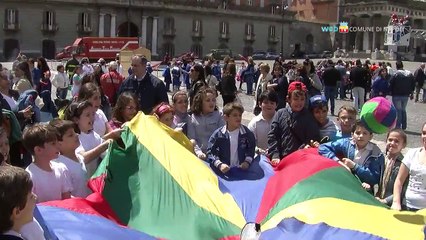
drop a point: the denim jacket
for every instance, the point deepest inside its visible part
(219, 146)
(372, 166)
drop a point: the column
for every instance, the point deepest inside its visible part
(113, 23)
(101, 24)
(345, 39)
(357, 41)
(154, 36)
(373, 46)
(144, 25)
(366, 41)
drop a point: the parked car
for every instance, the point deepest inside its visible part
(298, 54)
(272, 55)
(259, 55)
(219, 54)
(327, 54)
(313, 55)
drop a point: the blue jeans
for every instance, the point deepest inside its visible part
(342, 89)
(400, 103)
(249, 83)
(330, 93)
(61, 93)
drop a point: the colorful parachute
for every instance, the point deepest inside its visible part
(155, 185)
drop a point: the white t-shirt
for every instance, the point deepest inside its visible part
(49, 186)
(89, 141)
(32, 231)
(12, 103)
(233, 139)
(78, 175)
(416, 190)
(99, 125)
(260, 128)
(362, 154)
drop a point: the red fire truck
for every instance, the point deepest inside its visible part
(98, 47)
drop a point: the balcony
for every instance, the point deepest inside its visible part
(249, 37)
(197, 34)
(169, 32)
(273, 39)
(84, 29)
(224, 36)
(10, 26)
(49, 28)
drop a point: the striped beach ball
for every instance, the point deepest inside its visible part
(379, 115)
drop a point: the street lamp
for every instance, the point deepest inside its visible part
(284, 6)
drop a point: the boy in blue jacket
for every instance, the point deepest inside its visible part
(233, 144)
(358, 154)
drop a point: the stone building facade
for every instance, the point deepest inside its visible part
(324, 11)
(36, 27)
(376, 14)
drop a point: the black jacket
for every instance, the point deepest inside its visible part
(291, 131)
(227, 85)
(150, 91)
(330, 77)
(419, 76)
(402, 83)
(359, 77)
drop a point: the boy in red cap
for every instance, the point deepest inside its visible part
(292, 127)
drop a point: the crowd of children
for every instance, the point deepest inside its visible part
(67, 150)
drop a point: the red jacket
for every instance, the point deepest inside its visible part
(110, 83)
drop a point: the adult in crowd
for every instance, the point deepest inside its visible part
(61, 82)
(45, 83)
(380, 87)
(71, 65)
(211, 79)
(264, 78)
(228, 90)
(35, 72)
(110, 82)
(342, 86)
(22, 73)
(419, 76)
(401, 87)
(248, 75)
(279, 85)
(149, 90)
(196, 75)
(310, 78)
(359, 78)
(86, 67)
(331, 76)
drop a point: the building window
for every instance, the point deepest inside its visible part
(224, 28)
(274, 9)
(49, 18)
(84, 20)
(272, 31)
(11, 16)
(250, 2)
(196, 26)
(249, 29)
(169, 23)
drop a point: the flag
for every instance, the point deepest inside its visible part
(154, 185)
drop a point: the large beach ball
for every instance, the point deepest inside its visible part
(379, 115)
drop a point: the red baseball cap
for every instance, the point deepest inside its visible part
(296, 86)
